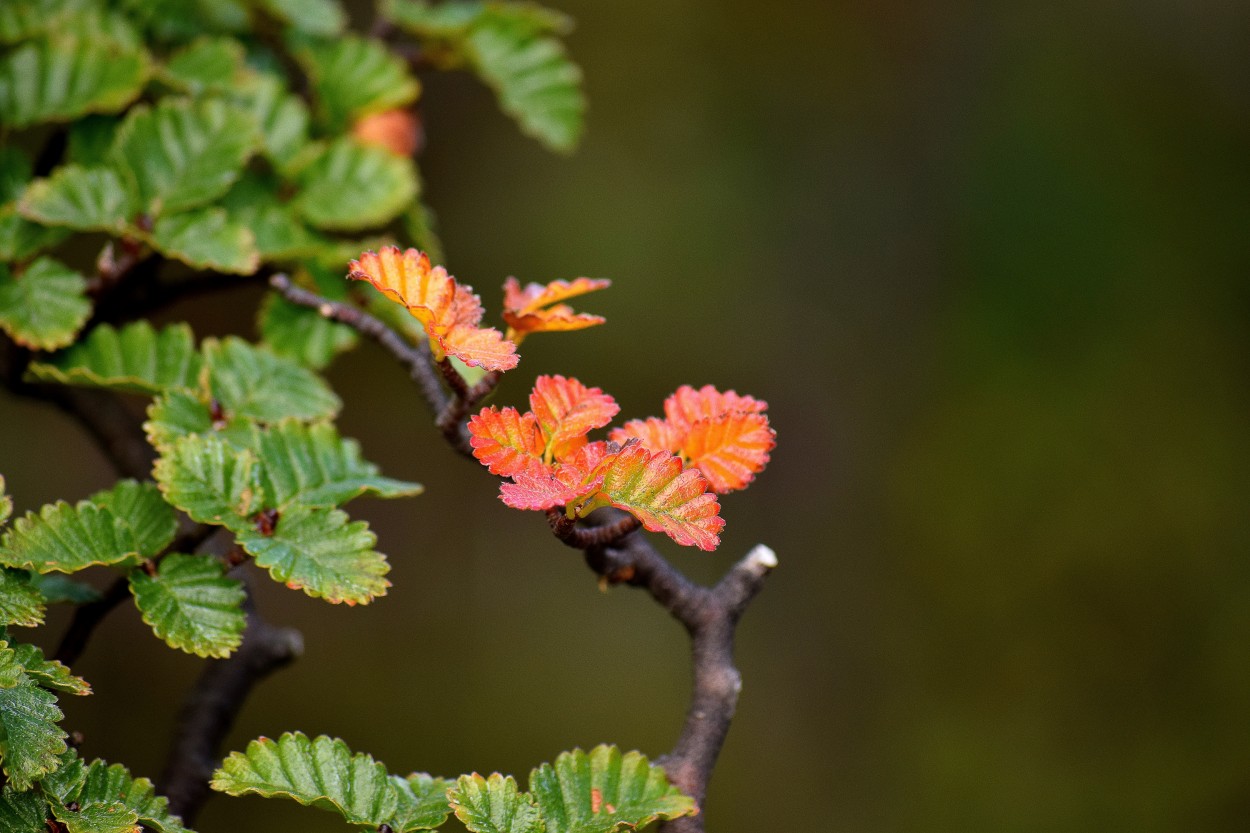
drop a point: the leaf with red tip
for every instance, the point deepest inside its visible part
(654, 433)
(536, 308)
(450, 313)
(730, 450)
(654, 488)
(687, 406)
(567, 410)
(505, 441)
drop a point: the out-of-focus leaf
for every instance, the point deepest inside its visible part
(20, 239)
(141, 507)
(30, 740)
(313, 466)
(656, 489)
(207, 64)
(302, 334)
(494, 805)
(605, 791)
(191, 604)
(354, 76)
(423, 802)
(450, 312)
(281, 115)
(66, 538)
(321, 772)
(90, 140)
(421, 226)
(252, 382)
(44, 305)
(48, 672)
(21, 603)
(505, 441)
(210, 480)
(182, 153)
(62, 78)
(313, 17)
(207, 238)
(320, 552)
(85, 199)
(538, 308)
(57, 588)
(23, 19)
(6, 504)
(349, 187)
(253, 202)
(181, 21)
(566, 411)
(136, 358)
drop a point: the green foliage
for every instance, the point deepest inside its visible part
(320, 552)
(61, 78)
(207, 64)
(140, 507)
(302, 334)
(48, 672)
(136, 358)
(191, 604)
(353, 76)
(207, 238)
(210, 480)
(422, 802)
(81, 198)
(512, 47)
(30, 739)
(104, 794)
(66, 538)
(494, 805)
(254, 383)
(43, 305)
(348, 186)
(20, 602)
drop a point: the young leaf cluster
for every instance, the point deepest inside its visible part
(596, 792)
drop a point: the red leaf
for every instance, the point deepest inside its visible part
(729, 450)
(567, 410)
(656, 489)
(505, 441)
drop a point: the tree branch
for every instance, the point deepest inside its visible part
(213, 704)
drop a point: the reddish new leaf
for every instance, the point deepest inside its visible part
(536, 308)
(567, 410)
(449, 312)
(687, 406)
(654, 433)
(729, 450)
(546, 488)
(505, 441)
(658, 490)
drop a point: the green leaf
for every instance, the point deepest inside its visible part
(494, 805)
(20, 239)
(301, 334)
(23, 19)
(64, 539)
(184, 20)
(282, 116)
(182, 153)
(321, 772)
(151, 520)
(320, 552)
(6, 504)
(49, 673)
(280, 235)
(211, 481)
(353, 76)
(313, 466)
(192, 605)
(180, 413)
(103, 784)
(107, 817)
(137, 359)
(90, 140)
(605, 791)
(57, 588)
(63, 78)
(30, 740)
(21, 603)
(252, 382)
(207, 238)
(86, 199)
(421, 226)
(11, 671)
(423, 802)
(22, 812)
(349, 187)
(207, 64)
(44, 305)
(313, 17)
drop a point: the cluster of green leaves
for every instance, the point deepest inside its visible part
(596, 792)
(192, 133)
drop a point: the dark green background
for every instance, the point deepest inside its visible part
(988, 265)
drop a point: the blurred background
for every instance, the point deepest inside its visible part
(987, 263)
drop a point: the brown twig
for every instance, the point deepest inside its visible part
(87, 617)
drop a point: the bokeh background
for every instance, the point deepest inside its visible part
(988, 264)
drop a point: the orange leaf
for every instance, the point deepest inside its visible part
(396, 130)
(656, 489)
(567, 410)
(536, 308)
(505, 441)
(729, 450)
(449, 312)
(654, 433)
(687, 406)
